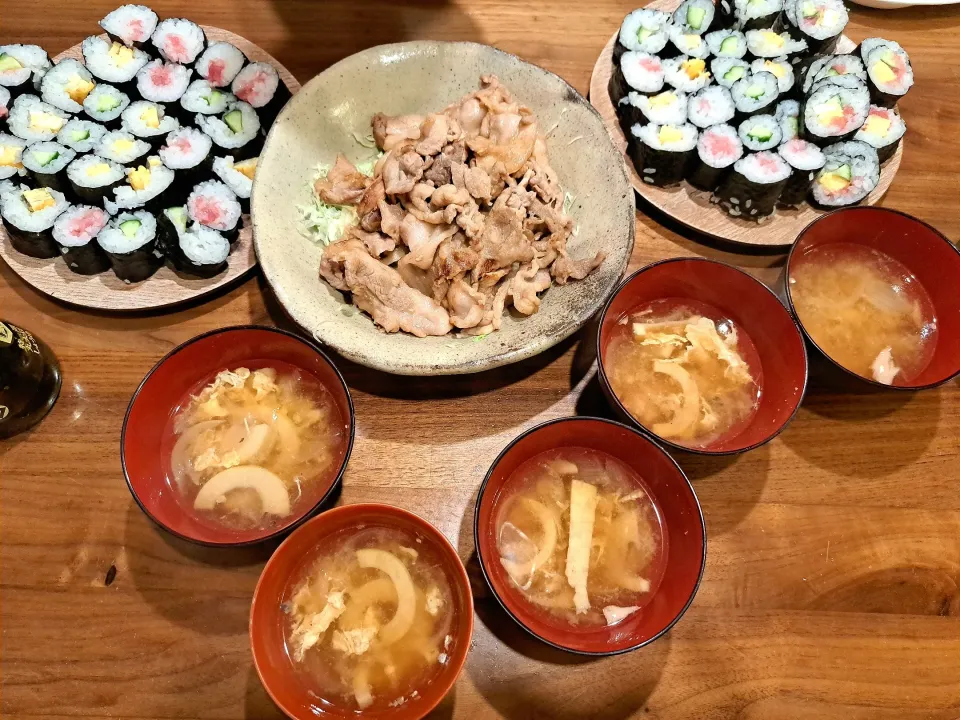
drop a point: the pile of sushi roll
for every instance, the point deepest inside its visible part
(749, 100)
(142, 154)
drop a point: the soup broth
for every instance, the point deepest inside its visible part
(684, 371)
(250, 448)
(865, 310)
(580, 537)
(372, 620)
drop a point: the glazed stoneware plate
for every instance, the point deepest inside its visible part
(332, 113)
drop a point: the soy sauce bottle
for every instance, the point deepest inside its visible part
(29, 379)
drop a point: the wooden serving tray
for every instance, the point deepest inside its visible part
(165, 288)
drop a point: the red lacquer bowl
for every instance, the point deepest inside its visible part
(671, 492)
(753, 308)
(168, 383)
(280, 678)
(925, 252)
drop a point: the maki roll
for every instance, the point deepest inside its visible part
(833, 66)
(727, 43)
(805, 160)
(161, 82)
(148, 187)
(28, 217)
(149, 121)
(888, 70)
(882, 131)
(728, 70)
(667, 108)
(179, 41)
(131, 25)
(718, 148)
(833, 112)
(694, 16)
(819, 22)
(105, 104)
(188, 151)
(113, 63)
(81, 136)
(686, 74)
(237, 130)
(204, 99)
(46, 164)
(754, 94)
(238, 177)
(711, 106)
(130, 242)
(688, 44)
(34, 120)
(751, 191)
(768, 44)
(642, 30)
(788, 116)
(662, 153)
(636, 72)
(4, 106)
(22, 67)
(758, 14)
(780, 68)
(93, 178)
(259, 85)
(851, 172)
(197, 250)
(66, 85)
(11, 156)
(760, 132)
(628, 112)
(213, 205)
(220, 63)
(75, 232)
(122, 148)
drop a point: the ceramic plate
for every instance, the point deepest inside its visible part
(333, 111)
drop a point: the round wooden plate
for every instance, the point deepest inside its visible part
(692, 207)
(165, 288)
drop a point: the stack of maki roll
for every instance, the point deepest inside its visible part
(749, 100)
(143, 152)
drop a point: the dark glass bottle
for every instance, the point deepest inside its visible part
(29, 379)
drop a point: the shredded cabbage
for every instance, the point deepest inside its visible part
(323, 223)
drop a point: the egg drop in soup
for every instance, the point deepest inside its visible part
(371, 623)
(865, 310)
(580, 538)
(253, 447)
(684, 371)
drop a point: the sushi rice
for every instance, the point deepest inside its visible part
(727, 43)
(780, 68)
(256, 84)
(91, 176)
(148, 120)
(667, 108)
(105, 103)
(760, 132)
(643, 30)
(215, 206)
(81, 135)
(66, 85)
(203, 98)
(33, 120)
(122, 147)
(689, 44)
(163, 82)
(728, 70)
(112, 62)
(131, 24)
(768, 44)
(686, 74)
(79, 225)
(711, 106)
(29, 64)
(178, 40)
(238, 177)
(220, 63)
(882, 130)
(226, 136)
(16, 209)
(185, 148)
(11, 156)
(47, 158)
(851, 172)
(145, 184)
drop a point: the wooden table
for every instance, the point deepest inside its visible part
(832, 587)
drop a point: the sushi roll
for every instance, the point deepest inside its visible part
(81, 136)
(238, 177)
(195, 250)
(66, 85)
(688, 44)
(213, 205)
(788, 116)
(833, 66)
(728, 70)
(4, 106)
(686, 74)
(833, 113)
(34, 120)
(105, 104)
(149, 186)
(130, 242)
(642, 30)
(851, 172)
(11, 156)
(636, 72)
(882, 130)
(163, 82)
(662, 153)
(751, 191)
(122, 147)
(131, 25)
(754, 94)
(718, 148)
(93, 178)
(46, 164)
(75, 232)
(188, 152)
(237, 130)
(629, 113)
(259, 85)
(149, 121)
(667, 108)
(22, 67)
(780, 68)
(694, 16)
(819, 22)
(711, 106)
(760, 132)
(889, 71)
(758, 14)
(204, 99)
(113, 63)
(805, 160)
(727, 43)
(179, 41)
(768, 44)
(220, 63)
(28, 217)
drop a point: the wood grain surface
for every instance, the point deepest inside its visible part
(831, 587)
(692, 207)
(166, 287)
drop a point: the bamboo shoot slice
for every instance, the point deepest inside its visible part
(273, 493)
(685, 419)
(614, 614)
(180, 457)
(583, 507)
(393, 567)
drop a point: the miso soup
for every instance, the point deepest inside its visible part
(865, 310)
